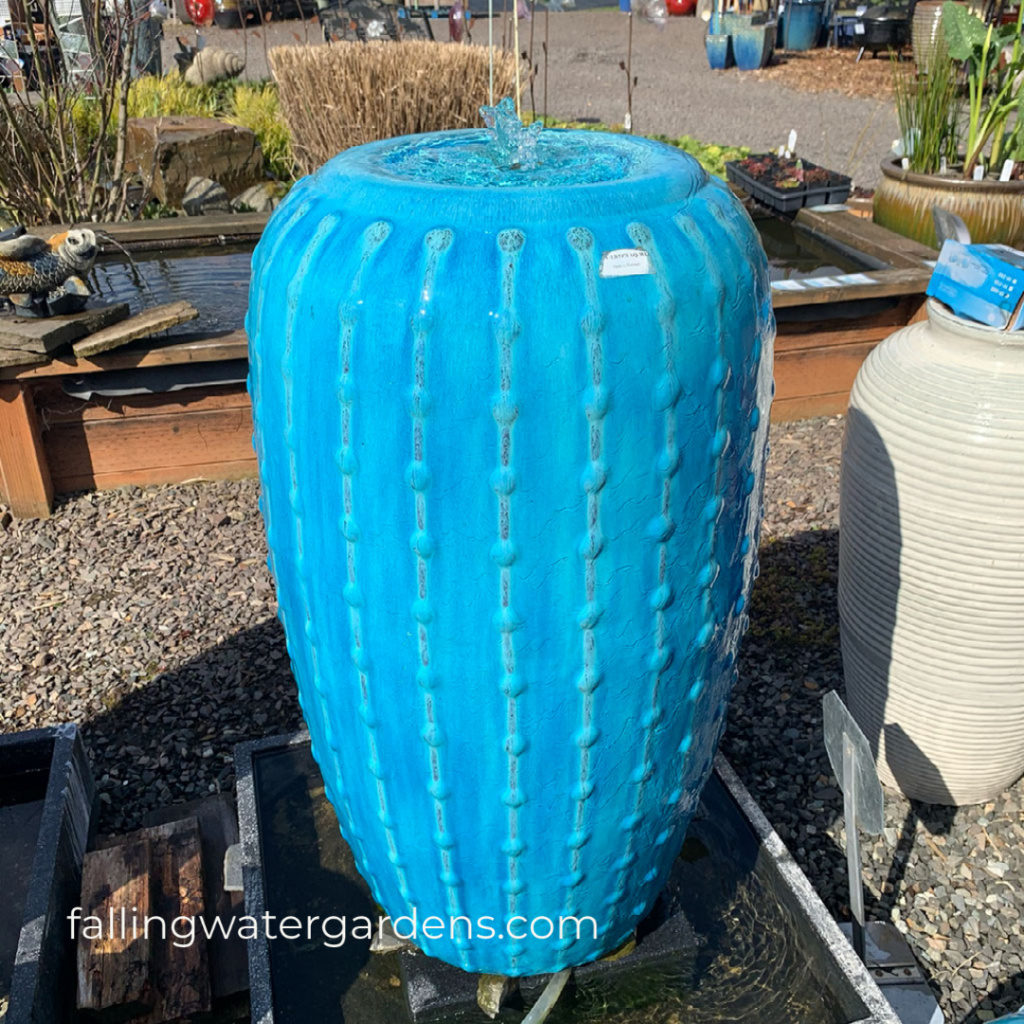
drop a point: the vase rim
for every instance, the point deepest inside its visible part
(891, 169)
(944, 318)
(577, 159)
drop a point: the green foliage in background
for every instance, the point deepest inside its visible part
(252, 105)
(171, 95)
(257, 107)
(928, 109)
(711, 157)
(993, 57)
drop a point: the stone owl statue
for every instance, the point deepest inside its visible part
(37, 273)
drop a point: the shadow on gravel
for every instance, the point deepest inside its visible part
(789, 661)
(172, 740)
(1008, 998)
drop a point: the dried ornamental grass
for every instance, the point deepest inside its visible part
(348, 93)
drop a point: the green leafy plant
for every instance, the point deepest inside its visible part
(710, 156)
(929, 109)
(993, 84)
(257, 107)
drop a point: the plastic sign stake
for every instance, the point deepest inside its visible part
(853, 765)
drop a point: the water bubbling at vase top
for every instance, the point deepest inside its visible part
(511, 154)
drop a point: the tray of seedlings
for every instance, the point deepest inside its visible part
(786, 184)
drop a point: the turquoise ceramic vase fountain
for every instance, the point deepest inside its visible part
(511, 405)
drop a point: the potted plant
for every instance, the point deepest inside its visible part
(969, 162)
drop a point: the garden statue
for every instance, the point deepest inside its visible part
(41, 277)
(511, 419)
(204, 65)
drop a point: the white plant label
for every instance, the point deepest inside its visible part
(979, 172)
(1004, 174)
(791, 144)
(625, 263)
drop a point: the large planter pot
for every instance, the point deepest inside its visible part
(926, 26)
(802, 23)
(931, 558)
(511, 430)
(753, 39)
(992, 210)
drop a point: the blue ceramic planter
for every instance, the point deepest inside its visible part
(511, 489)
(802, 24)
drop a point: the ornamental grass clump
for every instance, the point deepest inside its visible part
(929, 109)
(348, 93)
(937, 129)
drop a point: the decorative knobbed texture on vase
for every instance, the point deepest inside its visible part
(511, 427)
(931, 558)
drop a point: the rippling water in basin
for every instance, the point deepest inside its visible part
(216, 279)
(754, 965)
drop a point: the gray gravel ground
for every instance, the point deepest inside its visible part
(677, 94)
(148, 616)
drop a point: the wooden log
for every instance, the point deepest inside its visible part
(113, 965)
(218, 827)
(24, 470)
(47, 334)
(180, 972)
(149, 321)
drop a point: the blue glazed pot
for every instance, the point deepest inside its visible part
(802, 23)
(512, 492)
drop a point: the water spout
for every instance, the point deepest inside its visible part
(512, 145)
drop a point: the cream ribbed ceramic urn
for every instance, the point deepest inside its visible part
(931, 558)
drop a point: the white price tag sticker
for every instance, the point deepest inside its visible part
(858, 28)
(625, 263)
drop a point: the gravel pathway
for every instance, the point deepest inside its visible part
(676, 92)
(148, 616)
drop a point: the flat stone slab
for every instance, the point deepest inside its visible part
(44, 335)
(149, 321)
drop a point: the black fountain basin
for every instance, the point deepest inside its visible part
(766, 947)
(46, 805)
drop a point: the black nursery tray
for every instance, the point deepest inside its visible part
(789, 200)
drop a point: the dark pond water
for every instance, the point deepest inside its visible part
(216, 279)
(754, 962)
(21, 810)
(793, 254)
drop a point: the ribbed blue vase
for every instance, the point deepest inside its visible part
(511, 428)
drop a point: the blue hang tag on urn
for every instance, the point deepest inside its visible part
(512, 505)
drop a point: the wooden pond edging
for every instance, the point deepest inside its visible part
(52, 443)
